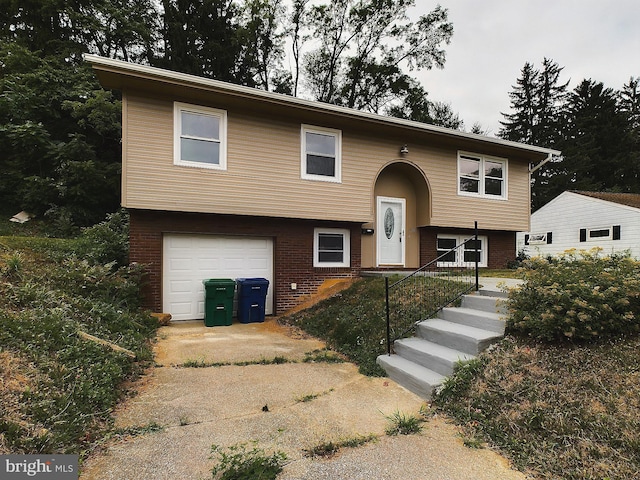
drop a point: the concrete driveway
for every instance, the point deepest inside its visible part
(289, 407)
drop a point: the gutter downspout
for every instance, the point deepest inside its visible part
(542, 163)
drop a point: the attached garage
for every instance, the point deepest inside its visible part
(188, 259)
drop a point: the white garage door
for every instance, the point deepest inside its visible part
(189, 259)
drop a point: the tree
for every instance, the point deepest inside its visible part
(364, 47)
(629, 101)
(537, 102)
(60, 137)
(297, 19)
(59, 131)
(204, 37)
(598, 147)
(416, 106)
(264, 42)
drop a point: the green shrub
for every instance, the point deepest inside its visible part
(577, 296)
(108, 241)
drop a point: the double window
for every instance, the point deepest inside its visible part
(321, 154)
(452, 253)
(331, 247)
(482, 176)
(199, 136)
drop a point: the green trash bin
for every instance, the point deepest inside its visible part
(218, 301)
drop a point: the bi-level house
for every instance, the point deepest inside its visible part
(225, 181)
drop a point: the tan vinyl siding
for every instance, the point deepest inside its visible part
(263, 172)
(262, 176)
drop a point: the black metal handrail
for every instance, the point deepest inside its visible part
(423, 293)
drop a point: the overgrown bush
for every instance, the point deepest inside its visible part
(108, 241)
(577, 296)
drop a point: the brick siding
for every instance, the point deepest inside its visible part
(502, 245)
(292, 240)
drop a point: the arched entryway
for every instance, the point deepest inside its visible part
(401, 202)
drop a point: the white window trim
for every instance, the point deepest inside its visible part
(459, 239)
(177, 135)
(346, 251)
(598, 239)
(481, 189)
(337, 178)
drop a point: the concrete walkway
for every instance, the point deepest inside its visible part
(228, 405)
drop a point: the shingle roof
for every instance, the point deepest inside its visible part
(629, 199)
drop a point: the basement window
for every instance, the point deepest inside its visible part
(331, 247)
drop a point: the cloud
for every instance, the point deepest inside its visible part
(493, 39)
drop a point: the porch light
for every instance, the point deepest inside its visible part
(404, 149)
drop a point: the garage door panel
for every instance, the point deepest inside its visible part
(188, 259)
(180, 286)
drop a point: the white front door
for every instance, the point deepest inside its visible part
(390, 227)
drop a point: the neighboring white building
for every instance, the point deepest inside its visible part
(584, 220)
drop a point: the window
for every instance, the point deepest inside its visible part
(465, 255)
(331, 247)
(482, 176)
(597, 234)
(321, 154)
(199, 137)
(538, 238)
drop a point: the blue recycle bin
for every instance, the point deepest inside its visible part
(252, 297)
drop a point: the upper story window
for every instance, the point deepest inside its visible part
(200, 136)
(321, 154)
(482, 176)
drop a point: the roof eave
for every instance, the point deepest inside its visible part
(144, 71)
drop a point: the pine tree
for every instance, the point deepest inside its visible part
(537, 102)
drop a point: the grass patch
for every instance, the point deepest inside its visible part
(190, 363)
(138, 430)
(404, 424)
(237, 462)
(330, 448)
(322, 356)
(60, 389)
(353, 322)
(559, 411)
(312, 396)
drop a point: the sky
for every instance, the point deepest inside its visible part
(493, 39)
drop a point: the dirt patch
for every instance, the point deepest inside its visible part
(328, 289)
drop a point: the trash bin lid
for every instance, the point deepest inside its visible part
(218, 281)
(252, 281)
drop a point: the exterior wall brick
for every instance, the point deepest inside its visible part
(502, 245)
(293, 249)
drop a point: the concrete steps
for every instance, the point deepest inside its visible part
(421, 363)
